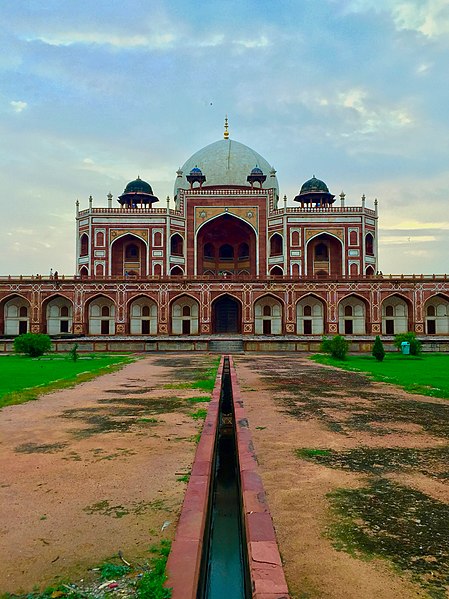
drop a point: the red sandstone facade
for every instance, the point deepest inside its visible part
(229, 258)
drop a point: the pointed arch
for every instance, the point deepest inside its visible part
(176, 245)
(57, 309)
(396, 312)
(84, 244)
(100, 315)
(436, 314)
(184, 311)
(310, 315)
(16, 312)
(352, 314)
(226, 242)
(268, 315)
(142, 315)
(128, 254)
(324, 255)
(226, 314)
(276, 245)
(369, 244)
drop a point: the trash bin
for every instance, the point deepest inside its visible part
(405, 348)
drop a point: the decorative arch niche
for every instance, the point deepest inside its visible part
(310, 316)
(436, 315)
(324, 256)
(59, 315)
(143, 316)
(84, 245)
(128, 255)
(226, 244)
(276, 245)
(184, 316)
(369, 244)
(268, 316)
(16, 314)
(176, 245)
(352, 316)
(101, 316)
(395, 315)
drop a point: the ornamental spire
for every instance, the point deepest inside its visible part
(226, 132)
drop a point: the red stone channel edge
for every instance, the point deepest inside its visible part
(183, 566)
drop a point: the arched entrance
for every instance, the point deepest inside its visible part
(226, 245)
(226, 315)
(324, 256)
(129, 256)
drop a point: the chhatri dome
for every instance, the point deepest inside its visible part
(137, 192)
(315, 191)
(226, 162)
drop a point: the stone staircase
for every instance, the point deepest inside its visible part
(226, 346)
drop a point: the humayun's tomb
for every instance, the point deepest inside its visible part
(229, 261)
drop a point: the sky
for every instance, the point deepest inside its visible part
(92, 94)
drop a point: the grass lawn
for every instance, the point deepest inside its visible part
(23, 378)
(427, 374)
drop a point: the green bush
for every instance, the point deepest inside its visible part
(337, 347)
(415, 344)
(32, 344)
(378, 349)
(73, 353)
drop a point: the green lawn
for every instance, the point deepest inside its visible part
(23, 378)
(427, 374)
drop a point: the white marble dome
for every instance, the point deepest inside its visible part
(226, 162)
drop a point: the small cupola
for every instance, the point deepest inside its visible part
(256, 176)
(137, 194)
(196, 176)
(315, 192)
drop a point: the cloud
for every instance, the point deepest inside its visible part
(372, 115)
(18, 105)
(428, 17)
(423, 68)
(258, 42)
(416, 225)
(154, 41)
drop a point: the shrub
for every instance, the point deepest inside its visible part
(337, 347)
(378, 349)
(415, 344)
(32, 344)
(73, 353)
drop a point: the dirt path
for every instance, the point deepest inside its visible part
(363, 427)
(94, 469)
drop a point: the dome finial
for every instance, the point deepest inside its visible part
(226, 132)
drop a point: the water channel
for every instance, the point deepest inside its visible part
(224, 566)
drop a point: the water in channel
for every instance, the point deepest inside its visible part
(225, 571)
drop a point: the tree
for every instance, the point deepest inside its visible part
(410, 337)
(337, 347)
(32, 344)
(378, 349)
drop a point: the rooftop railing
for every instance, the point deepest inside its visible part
(227, 277)
(275, 212)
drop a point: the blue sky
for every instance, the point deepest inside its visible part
(93, 94)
